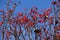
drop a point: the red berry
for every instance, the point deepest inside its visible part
(8, 33)
(41, 15)
(1, 23)
(58, 27)
(54, 2)
(34, 17)
(31, 23)
(20, 14)
(41, 21)
(1, 10)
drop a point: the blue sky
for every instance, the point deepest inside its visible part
(41, 4)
